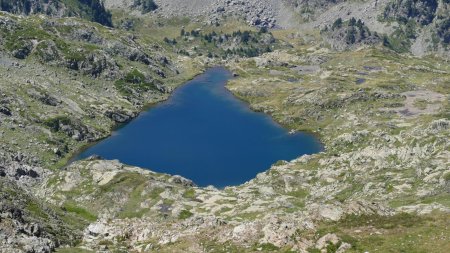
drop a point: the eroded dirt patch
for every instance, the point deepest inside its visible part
(420, 102)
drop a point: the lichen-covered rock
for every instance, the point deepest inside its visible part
(47, 51)
(22, 49)
(96, 64)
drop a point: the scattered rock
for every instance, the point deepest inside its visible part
(118, 116)
(327, 239)
(182, 181)
(5, 110)
(23, 49)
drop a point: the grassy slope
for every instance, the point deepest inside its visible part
(336, 80)
(401, 233)
(396, 233)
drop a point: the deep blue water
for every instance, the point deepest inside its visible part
(205, 134)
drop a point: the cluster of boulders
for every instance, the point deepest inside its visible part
(256, 12)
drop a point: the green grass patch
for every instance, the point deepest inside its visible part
(265, 247)
(36, 210)
(73, 250)
(80, 211)
(189, 193)
(447, 177)
(411, 234)
(184, 214)
(385, 222)
(131, 185)
(133, 83)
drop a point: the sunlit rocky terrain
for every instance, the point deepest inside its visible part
(370, 79)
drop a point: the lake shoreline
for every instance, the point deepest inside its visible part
(72, 157)
(183, 141)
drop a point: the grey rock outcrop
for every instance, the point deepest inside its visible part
(26, 225)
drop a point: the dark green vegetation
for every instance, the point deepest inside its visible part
(401, 39)
(223, 45)
(184, 214)
(443, 27)
(92, 10)
(134, 83)
(421, 11)
(409, 18)
(55, 123)
(414, 15)
(351, 32)
(145, 5)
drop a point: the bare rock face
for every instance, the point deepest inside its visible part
(15, 170)
(5, 110)
(95, 64)
(120, 116)
(422, 11)
(182, 181)
(440, 125)
(28, 7)
(22, 228)
(47, 51)
(351, 34)
(23, 50)
(256, 12)
(93, 10)
(89, 35)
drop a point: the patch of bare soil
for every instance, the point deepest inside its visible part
(420, 102)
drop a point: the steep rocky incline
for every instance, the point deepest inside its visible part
(404, 26)
(62, 86)
(92, 10)
(28, 224)
(65, 83)
(255, 12)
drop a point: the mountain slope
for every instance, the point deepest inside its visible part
(414, 26)
(341, 71)
(92, 10)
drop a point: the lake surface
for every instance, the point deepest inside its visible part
(202, 132)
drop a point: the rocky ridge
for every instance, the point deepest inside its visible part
(257, 13)
(92, 10)
(405, 26)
